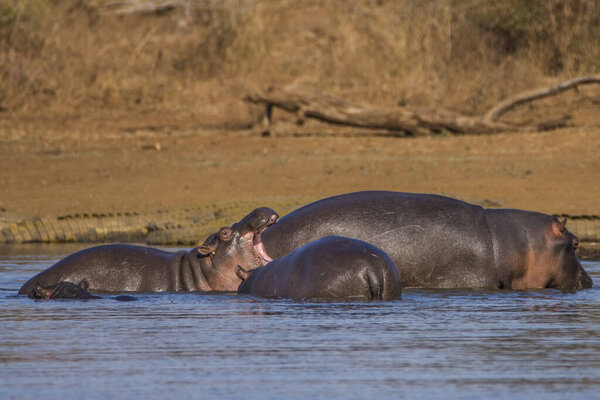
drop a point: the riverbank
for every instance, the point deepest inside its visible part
(51, 172)
(55, 170)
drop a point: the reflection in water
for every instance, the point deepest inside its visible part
(431, 344)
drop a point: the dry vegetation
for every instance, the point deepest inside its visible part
(194, 62)
(101, 111)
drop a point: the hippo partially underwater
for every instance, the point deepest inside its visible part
(331, 268)
(435, 242)
(127, 268)
(62, 290)
(439, 242)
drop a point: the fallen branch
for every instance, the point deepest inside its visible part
(135, 6)
(525, 97)
(305, 102)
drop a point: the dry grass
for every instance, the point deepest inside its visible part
(66, 58)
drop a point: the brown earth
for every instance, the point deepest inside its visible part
(104, 112)
(55, 166)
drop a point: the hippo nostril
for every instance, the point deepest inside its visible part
(575, 242)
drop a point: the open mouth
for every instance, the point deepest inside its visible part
(259, 247)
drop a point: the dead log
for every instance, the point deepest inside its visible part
(305, 102)
(531, 95)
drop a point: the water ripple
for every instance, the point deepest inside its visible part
(453, 344)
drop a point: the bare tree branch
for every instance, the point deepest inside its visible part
(525, 97)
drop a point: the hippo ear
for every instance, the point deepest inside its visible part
(564, 222)
(562, 225)
(241, 273)
(209, 246)
(206, 250)
(84, 284)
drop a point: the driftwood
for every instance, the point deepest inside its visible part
(135, 6)
(307, 103)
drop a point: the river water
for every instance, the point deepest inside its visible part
(432, 344)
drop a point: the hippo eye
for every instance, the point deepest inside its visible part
(225, 234)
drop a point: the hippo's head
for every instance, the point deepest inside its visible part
(60, 290)
(551, 261)
(239, 244)
(41, 292)
(568, 272)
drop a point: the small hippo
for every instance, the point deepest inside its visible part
(68, 290)
(331, 268)
(62, 290)
(126, 268)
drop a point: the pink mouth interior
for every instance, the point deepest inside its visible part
(259, 248)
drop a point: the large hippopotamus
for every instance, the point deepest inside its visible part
(439, 242)
(126, 268)
(331, 268)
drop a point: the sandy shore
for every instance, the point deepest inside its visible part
(50, 174)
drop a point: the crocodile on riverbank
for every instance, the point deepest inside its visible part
(189, 225)
(186, 226)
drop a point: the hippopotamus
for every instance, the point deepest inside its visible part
(68, 290)
(62, 290)
(330, 268)
(439, 242)
(128, 268)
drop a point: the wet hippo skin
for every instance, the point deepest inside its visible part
(62, 290)
(68, 291)
(127, 268)
(331, 268)
(439, 242)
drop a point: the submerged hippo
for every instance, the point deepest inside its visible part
(62, 290)
(68, 290)
(331, 268)
(439, 242)
(126, 268)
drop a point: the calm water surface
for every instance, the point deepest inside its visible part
(453, 344)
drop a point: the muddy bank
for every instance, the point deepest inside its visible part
(69, 172)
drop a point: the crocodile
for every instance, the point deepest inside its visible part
(167, 226)
(189, 225)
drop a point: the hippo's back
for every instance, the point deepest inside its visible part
(112, 268)
(431, 238)
(330, 268)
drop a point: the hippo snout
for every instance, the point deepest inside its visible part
(258, 220)
(584, 281)
(273, 219)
